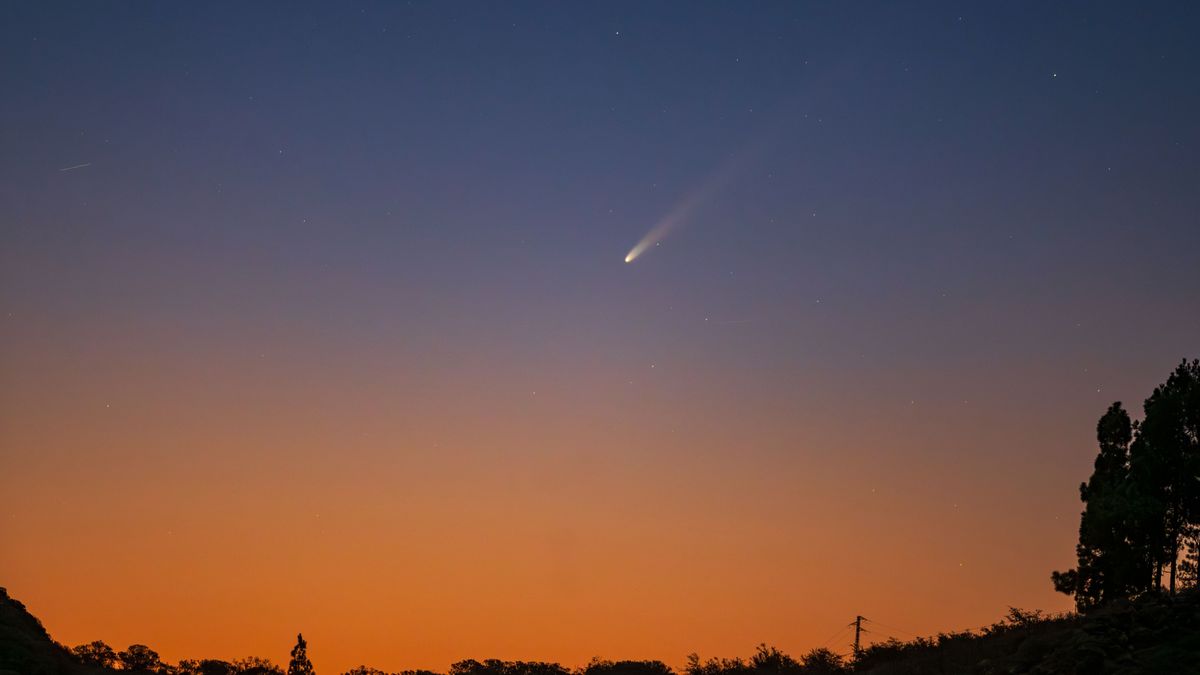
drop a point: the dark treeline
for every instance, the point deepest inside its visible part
(890, 656)
(765, 661)
(142, 659)
(1140, 528)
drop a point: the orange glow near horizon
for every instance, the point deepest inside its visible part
(404, 518)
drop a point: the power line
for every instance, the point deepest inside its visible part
(884, 625)
(832, 638)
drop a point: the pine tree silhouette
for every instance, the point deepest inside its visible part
(300, 665)
(1142, 502)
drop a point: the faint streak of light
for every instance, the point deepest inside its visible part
(683, 210)
(77, 166)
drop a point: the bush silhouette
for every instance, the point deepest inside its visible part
(96, 654)
(364, 670)
(141, 659)
(253, 665)
(205, 667)
(822, 661)
(603, 667)
(771, 660)
(767, 660)
(497, 667)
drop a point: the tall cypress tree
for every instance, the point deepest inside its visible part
(300, 665)
(1107, 563)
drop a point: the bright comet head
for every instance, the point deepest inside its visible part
(637, 250)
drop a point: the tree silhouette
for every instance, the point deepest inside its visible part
(251, 665)
(734, 666)
(822, 661)
(498, 667)
(767, 660)
(1189, 567)
(771, 660)
(602, 667)
(140, 658)
(1165, 461)
(364, 670)
(1142, 502)
(300, 665)
(1107, 560)
(254, 665)
(205, 667)
(96, 654)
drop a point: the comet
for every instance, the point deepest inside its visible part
(77, 166)
(690, 202)
(667, 223)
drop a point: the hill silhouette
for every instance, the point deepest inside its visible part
(26, 647)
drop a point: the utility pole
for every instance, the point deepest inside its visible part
(857, 633)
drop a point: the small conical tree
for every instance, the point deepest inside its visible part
(300, 665)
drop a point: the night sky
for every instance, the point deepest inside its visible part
(316, 317)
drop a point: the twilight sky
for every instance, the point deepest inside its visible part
(316, 316)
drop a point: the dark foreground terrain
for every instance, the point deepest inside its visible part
(1149, 635)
